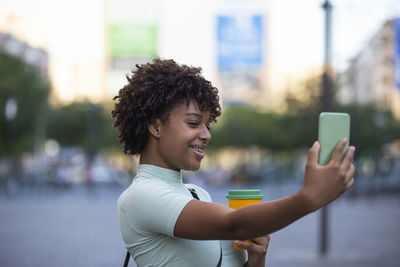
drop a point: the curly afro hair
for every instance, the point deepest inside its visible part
(152, 91)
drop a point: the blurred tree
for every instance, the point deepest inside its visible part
(109, 138)
(373, 127)
(21, 82)
(304, 97)
(82, 124)
(243, 126)
(246, 126)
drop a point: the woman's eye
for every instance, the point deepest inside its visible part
(193, 124)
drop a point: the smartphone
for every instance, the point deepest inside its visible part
(332, 127)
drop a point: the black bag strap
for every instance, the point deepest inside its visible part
(194, 194)
(128, 255)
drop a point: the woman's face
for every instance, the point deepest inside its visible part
(183, 138)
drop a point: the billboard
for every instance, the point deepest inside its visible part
(240, 42)
(396, 53)
(132, 40)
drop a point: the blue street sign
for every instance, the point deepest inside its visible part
(240, 42)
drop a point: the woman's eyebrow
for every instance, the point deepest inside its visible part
(193, 114)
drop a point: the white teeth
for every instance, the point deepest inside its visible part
(198, 149)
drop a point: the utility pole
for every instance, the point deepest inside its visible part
(327, 76)
(326, 106)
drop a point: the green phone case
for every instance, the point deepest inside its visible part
(332, 127)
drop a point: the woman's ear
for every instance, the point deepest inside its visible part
(154, 128)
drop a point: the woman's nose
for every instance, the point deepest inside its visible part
(205, 134)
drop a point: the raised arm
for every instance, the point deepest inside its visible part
(322, 184)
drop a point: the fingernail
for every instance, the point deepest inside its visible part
(345, 140)
(236, 242)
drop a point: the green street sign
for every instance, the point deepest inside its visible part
(132, 40)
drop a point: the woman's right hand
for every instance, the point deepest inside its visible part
(323, 184)
(256, 250)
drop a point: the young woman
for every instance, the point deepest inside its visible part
(163, 115)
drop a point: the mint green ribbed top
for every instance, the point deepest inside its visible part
(148, 210)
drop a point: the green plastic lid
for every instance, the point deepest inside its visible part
(245, 194)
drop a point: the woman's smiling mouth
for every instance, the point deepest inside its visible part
(198, 151)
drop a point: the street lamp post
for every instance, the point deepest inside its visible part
(326, 105)
(327, 76)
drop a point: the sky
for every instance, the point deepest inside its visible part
(354, 23)
(64, 30)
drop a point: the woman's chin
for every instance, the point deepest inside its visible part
(193, 167)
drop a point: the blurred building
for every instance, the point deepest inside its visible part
(131, 36)
(23, 38)
(241, 50)
(227, 38)
(373, 76)
(67, 45)
(90, 55)
(94, 44)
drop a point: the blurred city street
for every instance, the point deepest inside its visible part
(277, 64)
(77, 226)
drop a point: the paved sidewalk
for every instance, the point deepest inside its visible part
(78, 227)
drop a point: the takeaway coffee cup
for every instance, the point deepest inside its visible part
(240, 198)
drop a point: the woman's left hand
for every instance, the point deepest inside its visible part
(256, 251)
